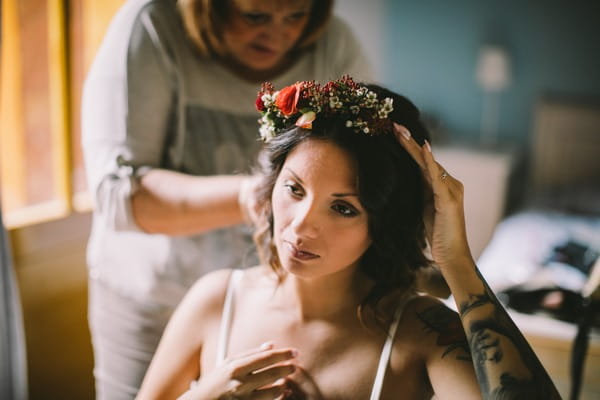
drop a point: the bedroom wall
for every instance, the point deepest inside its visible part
(366, 20)
(431, 48)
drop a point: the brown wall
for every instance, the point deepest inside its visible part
(49, 262)
(49, 257)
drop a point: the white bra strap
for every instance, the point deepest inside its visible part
(227, 315)
(387, 350)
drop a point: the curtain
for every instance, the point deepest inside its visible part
(13, 363)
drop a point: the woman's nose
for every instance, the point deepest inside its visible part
(273, 35)
(306, 221)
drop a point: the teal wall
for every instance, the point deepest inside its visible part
(431, 48)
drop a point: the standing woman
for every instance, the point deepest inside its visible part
(168, 130)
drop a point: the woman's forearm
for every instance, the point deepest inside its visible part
(505, 364)
(174, 203)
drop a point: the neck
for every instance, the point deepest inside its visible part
(324, 297)
(257, 76)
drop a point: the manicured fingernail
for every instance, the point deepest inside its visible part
(428, 146)
(403, 131)
(405, 134)
(266, 345)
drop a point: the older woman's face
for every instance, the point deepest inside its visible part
(260, 33)
(320, 226)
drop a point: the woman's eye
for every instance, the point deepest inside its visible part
(295, 17)
(345, 210)
(256, 18)
(293, 189)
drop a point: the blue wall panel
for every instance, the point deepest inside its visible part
(432, 46)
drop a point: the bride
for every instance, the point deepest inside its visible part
(350, 197)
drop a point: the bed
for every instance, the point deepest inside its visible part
(552, 240)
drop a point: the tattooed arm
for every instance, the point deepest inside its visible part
(480, 348)
(446, 351)
(505, 365)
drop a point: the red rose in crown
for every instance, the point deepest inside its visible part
(287, 99)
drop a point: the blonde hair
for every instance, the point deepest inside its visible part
(204, 21)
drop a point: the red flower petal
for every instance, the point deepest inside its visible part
(260, 105)
(287, 99)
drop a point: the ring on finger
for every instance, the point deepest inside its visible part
(444, 175)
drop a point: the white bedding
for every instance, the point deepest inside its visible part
(523, 242)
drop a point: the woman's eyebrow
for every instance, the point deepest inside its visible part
(294, 174)
(333, 194)
(345, 194)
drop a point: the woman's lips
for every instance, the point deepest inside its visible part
(300, 254)
(265, 51)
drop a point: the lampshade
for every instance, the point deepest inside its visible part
(493, 68)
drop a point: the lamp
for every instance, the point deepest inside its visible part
(493, 76)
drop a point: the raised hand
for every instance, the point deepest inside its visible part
(444, 214)
(504, 363)
(259, 374)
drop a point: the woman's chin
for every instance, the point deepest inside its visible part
(296, 268)
(260, 68)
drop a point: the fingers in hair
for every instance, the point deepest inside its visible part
(404, 137)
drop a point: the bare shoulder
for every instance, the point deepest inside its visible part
(437, 328)
(203, 303)
(210, 288)
(208, 293)
(176, 361)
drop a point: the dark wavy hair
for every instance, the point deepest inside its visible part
(390, 188)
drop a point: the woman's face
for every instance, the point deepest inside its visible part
(260, 33)
(320, 226)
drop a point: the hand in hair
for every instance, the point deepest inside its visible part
(444, 213)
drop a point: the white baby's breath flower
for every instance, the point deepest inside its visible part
(267, 100)
(267, 132)
(334, 102)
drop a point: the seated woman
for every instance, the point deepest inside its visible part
(351, 195)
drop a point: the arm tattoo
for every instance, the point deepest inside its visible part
(505, 365)
(475, 300)
(451, 334)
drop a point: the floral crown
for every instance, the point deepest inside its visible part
(303, 102)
